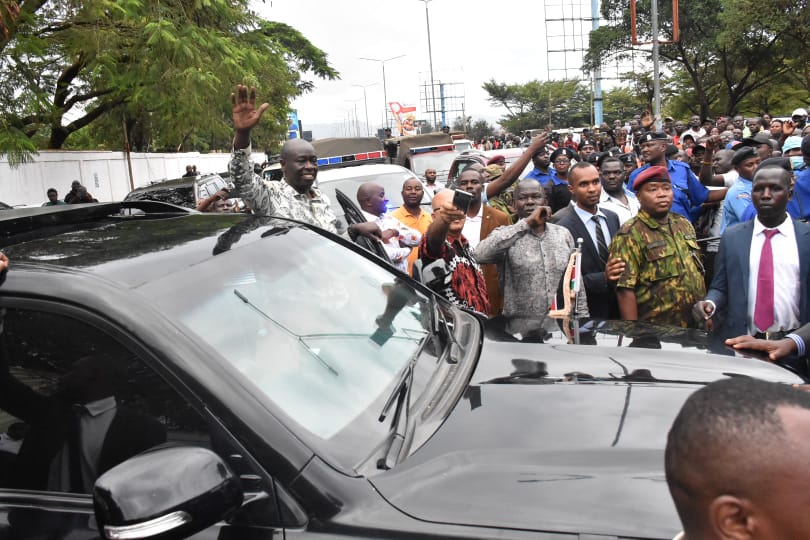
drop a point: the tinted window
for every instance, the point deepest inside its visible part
(74, 403)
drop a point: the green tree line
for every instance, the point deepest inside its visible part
(96, 73)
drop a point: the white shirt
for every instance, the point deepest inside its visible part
(623, 211)
(730, 177)
(786, 289)
(587, 220)
(695, 134)
(398, 247)
(472, 227)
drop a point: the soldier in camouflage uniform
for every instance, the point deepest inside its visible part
(663, 276)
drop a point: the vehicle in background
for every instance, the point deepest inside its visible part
(462, 145)
(187, 192)
(343, 152)
(4, 206)
(421, 152)
(390, 177)
(465, 159)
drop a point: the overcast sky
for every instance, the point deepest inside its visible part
(472, 41)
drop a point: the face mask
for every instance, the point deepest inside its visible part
(797, 162)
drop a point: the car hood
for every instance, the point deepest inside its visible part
(563, 438)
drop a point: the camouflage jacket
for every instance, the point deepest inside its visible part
(662, 265)
(278, 198)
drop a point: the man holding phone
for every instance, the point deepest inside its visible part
(459, 278)
(481, 220)
(531, 256)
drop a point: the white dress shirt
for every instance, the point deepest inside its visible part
(618, 207)
(786, 288)
(472, 227)
(587, 220)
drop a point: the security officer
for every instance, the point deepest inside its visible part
(557, 188)
(630, 162)
(663, 276)
(688, 193)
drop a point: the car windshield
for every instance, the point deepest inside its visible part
(317, 329)
(391, 182)
(440, 161)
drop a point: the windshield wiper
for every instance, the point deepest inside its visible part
(284, 329)
(401, 398)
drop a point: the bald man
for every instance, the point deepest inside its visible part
(397, 238)
(459, 278)
(294, 197)
(736, 461)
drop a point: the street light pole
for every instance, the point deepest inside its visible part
(430, 58)
(385, 89)
(365, 101)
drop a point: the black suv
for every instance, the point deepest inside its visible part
(165, 373)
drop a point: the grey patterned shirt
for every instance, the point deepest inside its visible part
(530, 268)
(278, 198)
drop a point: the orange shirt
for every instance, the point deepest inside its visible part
(420, 223)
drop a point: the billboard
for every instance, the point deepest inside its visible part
(405, 116)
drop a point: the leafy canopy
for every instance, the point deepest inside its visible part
(158, 71)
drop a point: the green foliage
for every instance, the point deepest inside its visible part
(161, 71)
(537, 104)
(480, 129)
(461, 123)
(728, 49)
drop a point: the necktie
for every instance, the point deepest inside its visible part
(601, 245)
(763, 308)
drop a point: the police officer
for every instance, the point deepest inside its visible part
(663, 276)
(557, 188)
(688, 193)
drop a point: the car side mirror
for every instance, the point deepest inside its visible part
(165, 493)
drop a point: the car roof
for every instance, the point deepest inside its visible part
(126, 242)
(331, 175)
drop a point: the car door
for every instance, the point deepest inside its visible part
(78, 397)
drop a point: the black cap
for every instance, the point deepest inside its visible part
(742, 154)
(602, 156)
(587, 142)
(653, 136)
(630, 157)
(756, 140)
(560, 151)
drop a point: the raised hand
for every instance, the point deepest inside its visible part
(245, 114)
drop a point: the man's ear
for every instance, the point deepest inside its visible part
(731, 518)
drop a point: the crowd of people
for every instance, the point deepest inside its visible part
(634, 212)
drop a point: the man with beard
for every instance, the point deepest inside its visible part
(532, 257)
(411, 213)
(663, 276)
(596, 226)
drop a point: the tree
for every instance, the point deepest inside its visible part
(481, 129)
(159, 71)
(461, 123)
(537, 104)
(727, 48)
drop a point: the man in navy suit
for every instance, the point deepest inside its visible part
(760, 299)
(596, 226)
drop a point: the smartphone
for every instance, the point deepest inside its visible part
(462, 200)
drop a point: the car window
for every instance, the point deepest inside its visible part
(74, 403)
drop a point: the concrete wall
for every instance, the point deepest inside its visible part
(105, 174)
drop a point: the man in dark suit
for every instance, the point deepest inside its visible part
(762, 267)
(596, 226)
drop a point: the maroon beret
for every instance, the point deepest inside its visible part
(496, 159)
(656, 173)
